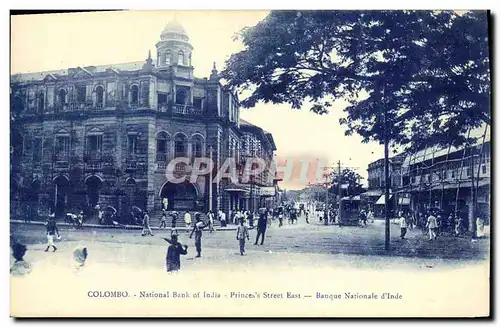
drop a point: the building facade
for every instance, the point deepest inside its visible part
(374, 196)
(106, 135)
(446, 178)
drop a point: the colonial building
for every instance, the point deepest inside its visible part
(374, 196)
(446, 177)
(105, 135)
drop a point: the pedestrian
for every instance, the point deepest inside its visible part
(163, 219)
(479, 227)
(280, 218)
(20, 267)
(369, 216)
(100, 216)
(175, 215)
(187, 220)
(432, 225)
(307, 216)
(52, 232)
(80, 219)
(458, 226)
(241, 235)
(439, 229)
(146, 228)
(261, 228)
(210, 217)
(251, 216)
(197, 230)
(403, 225)
(222, 217)
(174, 252)
(165, 204)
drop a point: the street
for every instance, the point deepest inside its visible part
(295, 259)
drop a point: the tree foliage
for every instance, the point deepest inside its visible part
(427, 71)
(349, 181)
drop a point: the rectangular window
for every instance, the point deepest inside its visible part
(81, 94)
(37, 151)
(162, 99)
(196, 150)
(62, 146)
(483, 168)
(132, 144)
(197, 103)
(94, 146)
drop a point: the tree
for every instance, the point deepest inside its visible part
(428, 71)
(410, 77)
(349, 182)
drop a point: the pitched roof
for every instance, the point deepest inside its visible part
(39, 76)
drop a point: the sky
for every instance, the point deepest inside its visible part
(61, 41)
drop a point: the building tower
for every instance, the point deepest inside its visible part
(173, 51)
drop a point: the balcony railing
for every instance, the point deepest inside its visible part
(180, 109)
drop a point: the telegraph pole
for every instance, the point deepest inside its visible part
(210, 185)
(386, 176)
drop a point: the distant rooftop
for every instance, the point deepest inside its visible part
(38, 76)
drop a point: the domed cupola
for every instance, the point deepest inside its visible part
(174, 48)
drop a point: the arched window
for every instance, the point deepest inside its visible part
(99, 91)
(62, 97)
(168, 57)
(180, 59)
(197, 146)
(161, 146)
(181, 96)
(180, 146)
(41, 102)
(134, 95)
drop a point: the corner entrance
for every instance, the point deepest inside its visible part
(180, 196)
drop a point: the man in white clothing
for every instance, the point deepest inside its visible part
(432, 225)
(187, 220)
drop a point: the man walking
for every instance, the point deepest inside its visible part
(197, 230)
(146, 228)
(403, 225)
(187, 220)
(241, 235)
(222, 217)
(174, 252)
(163, 220)
(52, 231)
(210, 217)
(261, 227)
(432, 225)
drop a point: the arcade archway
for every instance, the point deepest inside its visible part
(61, 189)
(180, 196)
(93, 184)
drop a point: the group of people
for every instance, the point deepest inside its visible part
(436, 225)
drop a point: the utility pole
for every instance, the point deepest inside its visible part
(210, 185)
(386, 175)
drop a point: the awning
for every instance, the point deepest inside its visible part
(267, 191)
(381, 200)
(404, 201)
(236, 190)
(372, 193)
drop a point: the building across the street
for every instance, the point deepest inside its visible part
(104, 135)
(446, 177)
(374, 197)
(436, 177)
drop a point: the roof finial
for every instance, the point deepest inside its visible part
(214, 74)
(149, 54)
